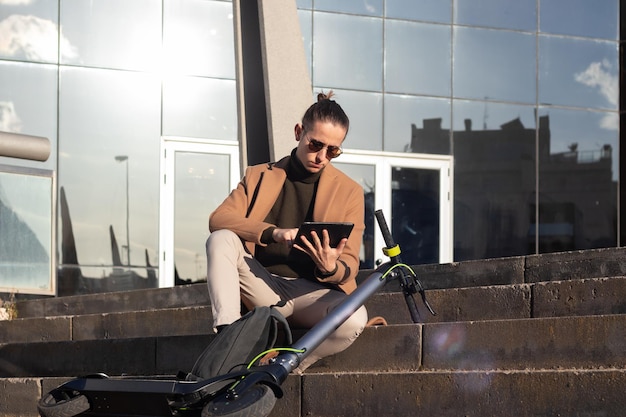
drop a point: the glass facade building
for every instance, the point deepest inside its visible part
(520, 97)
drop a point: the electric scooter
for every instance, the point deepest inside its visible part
(250, 392)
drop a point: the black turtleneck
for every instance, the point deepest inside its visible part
(293, 206)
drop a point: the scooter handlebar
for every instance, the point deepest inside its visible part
(384, 229)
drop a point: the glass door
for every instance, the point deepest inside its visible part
(415, 193)
(196, 177)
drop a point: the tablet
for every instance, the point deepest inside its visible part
(336, 231)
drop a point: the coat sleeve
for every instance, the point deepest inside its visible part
(232, 214)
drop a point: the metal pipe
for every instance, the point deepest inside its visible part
(324, 328)
(16, 145)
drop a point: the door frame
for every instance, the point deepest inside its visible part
(169, 146)
(383, 162)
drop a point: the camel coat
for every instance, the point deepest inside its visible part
(338, 199)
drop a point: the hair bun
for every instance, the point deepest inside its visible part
(325, 96)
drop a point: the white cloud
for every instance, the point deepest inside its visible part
(9, 120)
(598, 75)
(610, 121)
(33, 37)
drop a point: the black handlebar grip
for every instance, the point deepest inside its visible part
(382, 224)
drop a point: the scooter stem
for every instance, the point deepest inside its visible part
(324, 328)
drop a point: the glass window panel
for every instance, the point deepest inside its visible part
(200, 107)
(365, 175)
(417, 124)
(369, 7)
(196, 174)
(347, 51)
(489, 116)
(495, 65)
(578, 173)
(26, 254)
(198, 38)
(366, 122)
(97, 279)
(494, 179)
(306, 27)
(415, 214)
(417, 58)
(29, 31)
(109, 162)
(28, 105)
(424, 10)
(590, 18)
(577, 72)
(112, 33)
(589, 133)
(304, 4)
(506, 14)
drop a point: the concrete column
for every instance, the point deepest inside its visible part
(273, 82)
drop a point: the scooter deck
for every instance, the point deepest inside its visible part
(132, 396)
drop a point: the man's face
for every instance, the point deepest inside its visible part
(324, 133)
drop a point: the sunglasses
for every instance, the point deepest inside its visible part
(331, 151)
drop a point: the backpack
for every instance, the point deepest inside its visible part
(239, 343)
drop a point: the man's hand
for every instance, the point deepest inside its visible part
(319, 250)
(285, 236)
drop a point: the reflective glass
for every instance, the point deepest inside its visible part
(366, 121)
(347, 51)
(198, 38)
(365, 175)
(304, 4)
(109, 166)
(28, 105)
(29, 31)
(494, 65)
(578, 72)
(112, 33)
(26, 254)
(423, 10)
(578, 174)
(494, 179)
(417, 124)
(415, 214)
(367, 7)
(306, 27)
(505, 14)
(589, 133)
(489, 116)
(197, 192)
(417, 58)
(589, 18)
(200, 107)
(97, 279)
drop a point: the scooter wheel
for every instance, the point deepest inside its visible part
(62, 404)
(258, 401)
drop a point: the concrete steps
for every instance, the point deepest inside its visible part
(540, 335)
(595, 296)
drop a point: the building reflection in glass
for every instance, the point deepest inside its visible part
(498, 171)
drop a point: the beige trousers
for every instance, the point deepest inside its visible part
(234, 275)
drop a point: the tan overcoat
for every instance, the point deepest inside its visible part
(338, 199)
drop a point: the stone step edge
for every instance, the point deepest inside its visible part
(297, 332)
(305, 374)
(60, 379)
(44, 307)
(497, 271)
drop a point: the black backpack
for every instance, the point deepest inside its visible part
(241, 342)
